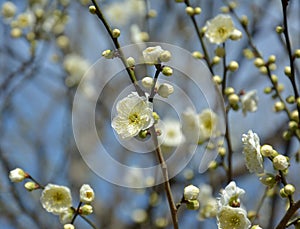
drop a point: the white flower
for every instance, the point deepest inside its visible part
(152, 54)
(232, 218)
(208, 125)
(134, 115)
(190, 125)
(66, 216)
(249, 102)
(219, 28)
(69, 226)
(76, 67)
(87, 194)
(56, 199)
(230, 195)
(171, 133)
(191, 192)
(17, 175)
(253, 157)
(8, 9)
(165, 89)
(281, 162)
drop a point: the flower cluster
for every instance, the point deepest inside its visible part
(57, 199)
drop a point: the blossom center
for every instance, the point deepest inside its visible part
(234, 221)
(222, 31)
(134, 118)
(58, 197)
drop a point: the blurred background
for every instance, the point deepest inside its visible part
(46, 46)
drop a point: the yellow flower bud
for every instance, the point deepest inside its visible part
(244, 20)
(290, 99)
(197, 10)
(229, 90)
(30, 186)
(272, 59)
(259, 62)
(116, 33)
(165, 56)
(189, 10)
(197, 55)
(220, 52)
(216, 60)
(279, 106)
(297, 53)
(279, 29)
(217, 79)
(233, 99)
(266, 150)
(130, 61)
(92, 9)
(167, 71)
(289, 189)
(233, 66)
(287, 71)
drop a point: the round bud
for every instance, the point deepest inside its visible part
(266, 150)
(30, 186)
(130, 61)
(289, 189)
(268, 90)
(259, 62)
(92, 9)
(147, 82)
(165, 56)
(217, 79)
(116, 33)
(189, 10)
(244, 20)
(282, 193)
(290, 99)
(225, 9)
(233, 66)
(272, 59)
(295, 116)
(233, 99)
(288, 71)
(279, 106)
(216, 60)
(152, 13)
(222, 151)
(263, 70)
(167, 71)
(281, 162)
(220, 52)
(229, 91)
(197, 10)
(155, 116)
(86, 209)
(274, 78)
(197, 55)
(164, 90)
(212, 165)
(191, 192)
(279, 29)
(297, 53)
(108, 54)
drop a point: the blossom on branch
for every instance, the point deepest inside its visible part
(251, 151)
(220, 28)
(56, 199)
(134, 115)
